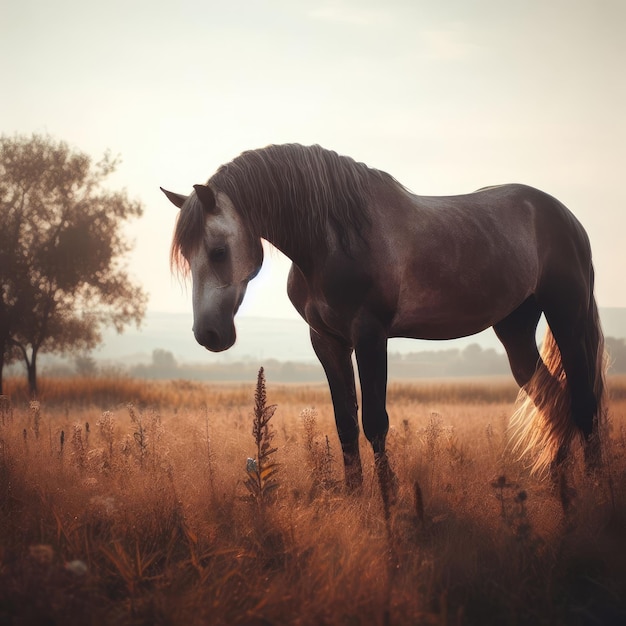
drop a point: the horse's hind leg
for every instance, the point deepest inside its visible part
(517, 334)
(578, 356)
(336, 359)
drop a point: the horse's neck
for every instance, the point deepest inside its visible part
(292, 239)
(299, 252)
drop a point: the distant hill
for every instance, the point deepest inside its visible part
(262, 339)
(614, 322)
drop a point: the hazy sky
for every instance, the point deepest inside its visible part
(446, 96)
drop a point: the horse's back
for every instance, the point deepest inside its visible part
(518, 219)
(459, 264)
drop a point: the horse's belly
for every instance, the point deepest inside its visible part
(437, 330)
(451, 319)
(462, 293)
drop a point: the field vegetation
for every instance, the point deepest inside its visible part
(126, 502)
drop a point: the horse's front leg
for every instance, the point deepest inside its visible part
(371, 356)
(336, 359)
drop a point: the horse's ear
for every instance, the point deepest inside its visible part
(177, 199)
(206, 196)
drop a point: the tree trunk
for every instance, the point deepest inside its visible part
(31, 368)
(5, 342)
(5, 334)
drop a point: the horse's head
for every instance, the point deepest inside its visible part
(212, 242)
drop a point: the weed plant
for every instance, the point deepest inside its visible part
(262, 469)
(130, 504)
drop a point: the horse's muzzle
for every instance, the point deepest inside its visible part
(215, 341)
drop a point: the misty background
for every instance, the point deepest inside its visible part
(165, 348)
(447, 97)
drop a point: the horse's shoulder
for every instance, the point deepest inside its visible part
(297, 288)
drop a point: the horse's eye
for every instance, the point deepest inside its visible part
(217, 254)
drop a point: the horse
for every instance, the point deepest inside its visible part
(371, 261)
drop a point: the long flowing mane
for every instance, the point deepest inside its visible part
(291, 191)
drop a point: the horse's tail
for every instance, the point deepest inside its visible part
(598, 359)
(542, 423)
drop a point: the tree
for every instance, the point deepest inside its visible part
(85, 365)
(163, 366)
(163, 360)
(62, 252)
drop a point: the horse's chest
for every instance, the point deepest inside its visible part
(329, 316)
(339, 301)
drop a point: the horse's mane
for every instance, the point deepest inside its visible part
(289, 191)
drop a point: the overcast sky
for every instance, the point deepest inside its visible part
(446, 96)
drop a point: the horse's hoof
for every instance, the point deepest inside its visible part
(387, 480)
(353, 486)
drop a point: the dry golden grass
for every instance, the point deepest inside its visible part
(103, 392)
(143, 516)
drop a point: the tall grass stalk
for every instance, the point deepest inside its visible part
(262, 470)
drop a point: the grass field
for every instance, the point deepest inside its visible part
(125, 502)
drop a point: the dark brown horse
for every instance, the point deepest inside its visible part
(372, 261)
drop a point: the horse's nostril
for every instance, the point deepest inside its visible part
(208, 338)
